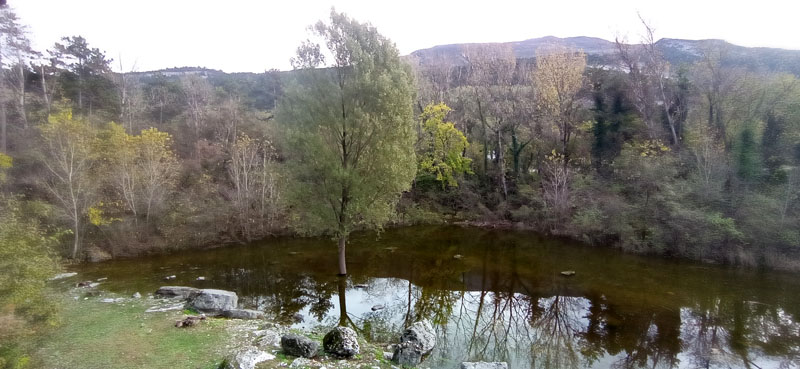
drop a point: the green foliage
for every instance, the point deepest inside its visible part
(5, 163)
(442, 147)
(27, 259)
(349, 128)
(748, 159)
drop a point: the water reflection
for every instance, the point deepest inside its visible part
(505, 299)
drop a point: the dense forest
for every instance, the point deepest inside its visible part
(696, 159)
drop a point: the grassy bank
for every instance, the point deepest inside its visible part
(96, 334)
(98, 330)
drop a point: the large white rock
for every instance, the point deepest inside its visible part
(341, 342)
(213, 301)
(248, 359)
(417, 341)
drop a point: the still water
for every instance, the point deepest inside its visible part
(500, 296)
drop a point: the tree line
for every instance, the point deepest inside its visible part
(696, 160)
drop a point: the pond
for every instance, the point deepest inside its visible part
(500, 296)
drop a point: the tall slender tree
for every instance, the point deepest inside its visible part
(351, 129)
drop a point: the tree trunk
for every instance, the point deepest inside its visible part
(342, 261)
(44, 90)
(342, 287)
(3, 128)
(76, 244)
(22, 113)
(502, 165)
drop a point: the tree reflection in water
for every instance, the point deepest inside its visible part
(505, 299)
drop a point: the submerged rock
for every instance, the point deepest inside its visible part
(417, 341)
(341, 342)
(213, 301)
(568, 273)
(298, 318)
(175, 291)
(248, 359)
(243, 314)
(484, 365)
(300, 346)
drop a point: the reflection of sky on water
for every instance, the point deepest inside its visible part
(551, 332)
(505, 298)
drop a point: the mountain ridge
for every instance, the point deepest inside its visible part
(600, 51)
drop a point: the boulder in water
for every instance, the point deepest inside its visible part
(416, 342)
(341, 342)
(175, 291)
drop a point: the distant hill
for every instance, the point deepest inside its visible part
(601, 52)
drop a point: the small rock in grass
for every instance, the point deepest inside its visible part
(248, 359)
(137, 295)
(300, 362)
(300, 346)
(190, 321)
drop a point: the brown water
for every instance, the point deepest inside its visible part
(505, 299)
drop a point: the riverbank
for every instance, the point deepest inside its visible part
(100, 329)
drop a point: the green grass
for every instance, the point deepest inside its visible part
(99, 335)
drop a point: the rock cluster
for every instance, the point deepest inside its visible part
(210, 301)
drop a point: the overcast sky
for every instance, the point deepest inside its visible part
(252, 36)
